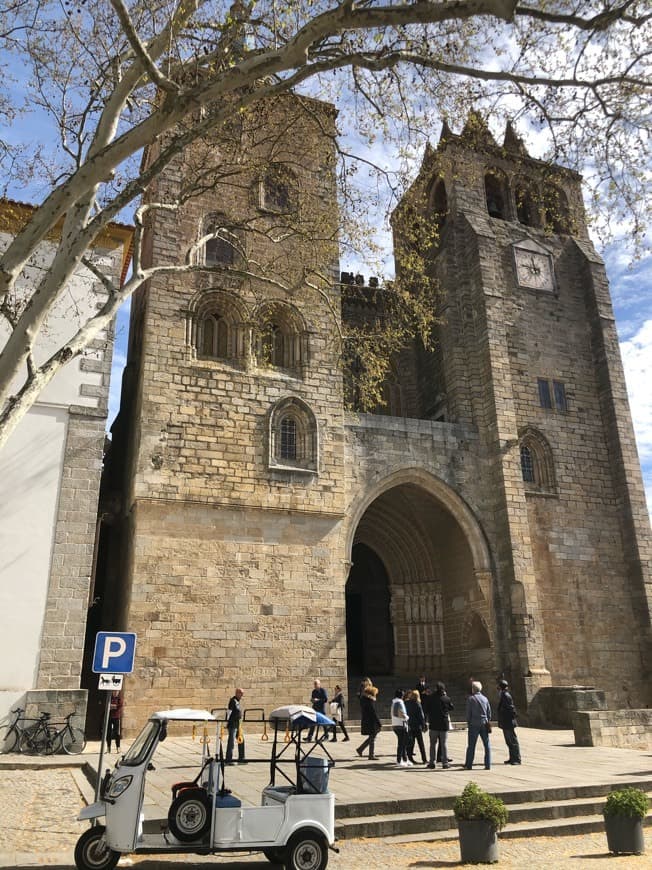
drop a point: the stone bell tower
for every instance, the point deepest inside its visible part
(232, 420)
(527, 353)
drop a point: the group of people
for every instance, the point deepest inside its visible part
(424, 709)
(413, 713)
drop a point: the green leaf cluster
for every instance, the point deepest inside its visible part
(474, 804)
(629, 801)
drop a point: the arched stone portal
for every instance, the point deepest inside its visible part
(417, 590)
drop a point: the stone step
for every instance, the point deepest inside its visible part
(434, 816)
(549, 828)
(524, 796)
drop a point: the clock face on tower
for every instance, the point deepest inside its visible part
(534, 269)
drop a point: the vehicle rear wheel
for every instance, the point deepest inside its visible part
(92, 851)
(307, 849)
(73, 741)
(275, 855)
(189, 816)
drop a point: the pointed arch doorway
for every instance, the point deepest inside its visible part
(419, 591)
(370, 647)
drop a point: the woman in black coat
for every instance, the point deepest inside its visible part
(369, 721)
(416, 724)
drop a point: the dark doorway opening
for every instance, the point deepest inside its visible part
(369, 638)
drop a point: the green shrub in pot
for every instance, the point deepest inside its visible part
(474, 804)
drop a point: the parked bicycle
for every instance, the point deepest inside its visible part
(39, 739)
(41, 736)
(71, 739)
(11, 732)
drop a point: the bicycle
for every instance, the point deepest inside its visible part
(12, 731)
(70, 739)
(39, 739)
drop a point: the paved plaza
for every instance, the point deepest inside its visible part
(38, 807)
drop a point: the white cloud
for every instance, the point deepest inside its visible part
(637, 360)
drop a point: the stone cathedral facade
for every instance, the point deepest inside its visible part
(488, 519)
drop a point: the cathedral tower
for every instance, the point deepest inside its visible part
(527, 355)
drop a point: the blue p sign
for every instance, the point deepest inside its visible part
(114, 652)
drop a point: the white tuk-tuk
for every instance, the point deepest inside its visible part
(294, 825)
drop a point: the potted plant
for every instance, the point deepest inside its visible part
(624, 812)
(479, 817)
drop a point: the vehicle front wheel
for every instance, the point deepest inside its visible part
(92, 851)
(307, 850)
(189, 816)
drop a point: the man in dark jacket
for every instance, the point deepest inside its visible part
(437, 707)
(507, 722)
(318, 698)
(233, 726)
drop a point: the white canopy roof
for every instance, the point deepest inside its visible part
(184, 714)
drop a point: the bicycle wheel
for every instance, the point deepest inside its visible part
(73, 741)
(50, 743)
(32, 742)
(9, 739)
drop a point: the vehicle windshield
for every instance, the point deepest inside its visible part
(140, 748)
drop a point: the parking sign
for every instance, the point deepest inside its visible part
(114, 652)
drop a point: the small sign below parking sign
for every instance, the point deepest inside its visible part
(114, 652)
(110, 682)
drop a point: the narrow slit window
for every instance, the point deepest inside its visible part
(559, 389)
(545, 397)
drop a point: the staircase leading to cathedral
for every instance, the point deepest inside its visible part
(534, 812)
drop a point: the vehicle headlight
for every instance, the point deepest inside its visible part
(119, 786)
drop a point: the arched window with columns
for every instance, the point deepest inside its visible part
(216, 326)
(281, 339)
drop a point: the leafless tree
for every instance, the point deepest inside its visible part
(113, 77)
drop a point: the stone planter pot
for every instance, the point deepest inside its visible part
(478, 842)
(625, 834)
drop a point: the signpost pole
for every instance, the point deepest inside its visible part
(105, 731)
(113, 656)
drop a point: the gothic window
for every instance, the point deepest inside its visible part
(216, 326)
(293, 436)
(280, 337)
(214, 337)
(556, 209)
(527, 464)
(495, 186)
(278, 190)
(537, 466)
(288, 438)
(527, 210)
(438, 204)
(220, 249)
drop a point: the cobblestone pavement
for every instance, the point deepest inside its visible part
(38, 809)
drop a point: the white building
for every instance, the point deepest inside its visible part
(49, 483)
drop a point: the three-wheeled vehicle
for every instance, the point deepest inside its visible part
(294, 825)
